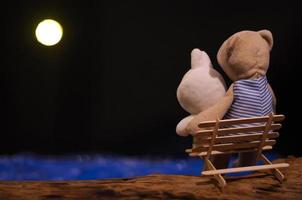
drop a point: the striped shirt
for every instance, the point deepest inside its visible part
(252, 98)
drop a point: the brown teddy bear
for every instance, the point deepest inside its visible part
(245, 59)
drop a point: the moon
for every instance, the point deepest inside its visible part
(49, 32)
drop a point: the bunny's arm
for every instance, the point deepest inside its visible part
(182, 125)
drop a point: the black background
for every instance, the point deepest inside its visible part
(110, 84)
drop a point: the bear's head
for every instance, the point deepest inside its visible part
(246, 54)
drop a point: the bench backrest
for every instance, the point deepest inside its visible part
(236, 135)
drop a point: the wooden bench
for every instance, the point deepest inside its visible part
(235, 136)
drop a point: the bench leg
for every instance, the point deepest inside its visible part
(276, 172)
(218, 177)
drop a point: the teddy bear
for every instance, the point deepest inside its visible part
(200, 88)
(244, 57)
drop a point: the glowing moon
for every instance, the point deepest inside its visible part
(49, 32)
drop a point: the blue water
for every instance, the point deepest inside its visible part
(89, 167)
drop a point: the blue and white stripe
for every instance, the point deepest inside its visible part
(252, 98)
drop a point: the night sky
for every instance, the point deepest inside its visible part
(110, 85)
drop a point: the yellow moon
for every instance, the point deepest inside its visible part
(49, 32)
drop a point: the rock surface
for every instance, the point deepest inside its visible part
(159, 186)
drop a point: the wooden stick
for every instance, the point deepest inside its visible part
(276, 172)
(234, 138)
(218, 177)
(226, 122)
(264, 136)
(244, 169)
(251, 128)
(213, 138)
(228, 152)
(233, 146)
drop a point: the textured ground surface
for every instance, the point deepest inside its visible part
(158, 186)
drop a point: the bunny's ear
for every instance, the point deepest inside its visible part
(267, 36)
(200, 59)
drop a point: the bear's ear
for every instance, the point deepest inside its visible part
(267, 35)
(226, 50)
(231, 46)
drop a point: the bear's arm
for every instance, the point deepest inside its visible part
(217, 110)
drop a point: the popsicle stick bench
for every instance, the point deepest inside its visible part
(234, 136)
